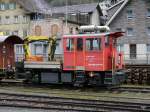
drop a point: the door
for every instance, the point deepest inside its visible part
(69, 53)
(79, 54)
(93, 54)
(132, 51)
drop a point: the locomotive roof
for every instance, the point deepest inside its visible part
(114, 34)
(3, 38)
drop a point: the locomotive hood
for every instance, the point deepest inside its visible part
(116, 34)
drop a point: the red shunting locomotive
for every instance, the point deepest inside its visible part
(89, 58)
(92, 56)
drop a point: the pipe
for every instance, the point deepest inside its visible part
(94, 28)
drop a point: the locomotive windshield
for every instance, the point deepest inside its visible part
(70, 44)
(93, 44)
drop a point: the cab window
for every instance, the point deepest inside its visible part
(79, 44)
(93, 44)
(39, 48)
(70, 44)
(107, 41)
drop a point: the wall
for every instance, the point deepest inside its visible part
(11, 25)
(139, 23)
(46, 30)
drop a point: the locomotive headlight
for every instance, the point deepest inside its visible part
(91, 74)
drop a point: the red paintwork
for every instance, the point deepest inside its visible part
(8, 58)
(100, 60)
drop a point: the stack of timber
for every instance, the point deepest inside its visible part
(138, 74)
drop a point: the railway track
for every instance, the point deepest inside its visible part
(69, 104)
(133, 89)
(119, 89)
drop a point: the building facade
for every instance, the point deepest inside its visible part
(132, 17)
(48, 27)
(13, 19)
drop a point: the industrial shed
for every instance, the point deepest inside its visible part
(7, 50)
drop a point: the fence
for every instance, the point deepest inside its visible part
(44, 57)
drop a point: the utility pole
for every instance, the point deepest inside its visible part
(66, 13)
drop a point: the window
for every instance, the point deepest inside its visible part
(93, 44)
(130, 32)
(37, 16)
(129, 14)
(7, 20)
(24, 19)
(6, 6)
(38, 49)
(79, 44)
(12, 6)
(45, 49)
(16, 19)
(15, 32)
(19, 49)
(0, 20)
(7, 32)
(133, 50)
(2, 6)
(120, 48)
(148, 30)
(119, 29)
(148, 48)
(25, 33)
(71, 30)
(106, 40)
(19, 52)
(70, 44)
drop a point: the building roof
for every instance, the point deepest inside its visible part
(81, 8)
(40, 6)
(115, 10)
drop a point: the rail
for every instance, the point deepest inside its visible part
(69, 104)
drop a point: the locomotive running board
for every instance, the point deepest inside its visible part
(42, 65)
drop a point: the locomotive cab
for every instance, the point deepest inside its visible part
(93, 58)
